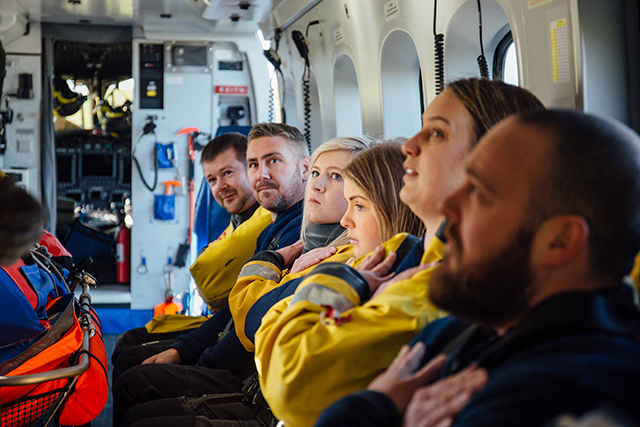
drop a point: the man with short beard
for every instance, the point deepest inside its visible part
(540, 237)
(277, 166)
(223, 162)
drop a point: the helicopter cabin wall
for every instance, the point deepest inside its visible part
(21, 159)
(570, 53)
(202, 80)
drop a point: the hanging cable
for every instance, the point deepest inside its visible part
(283, 112)
(148, 128)
(302, 45)
(271, 102)
(306, 103)
(274, 59)
(438, 40)
(482, 60)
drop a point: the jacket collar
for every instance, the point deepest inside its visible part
(613, 311)
(293, 211)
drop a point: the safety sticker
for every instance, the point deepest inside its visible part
(391, 10)
(232, 90)
(560, 51)
(536, 3)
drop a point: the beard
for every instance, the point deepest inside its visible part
(490, 292)
(233, 207)
(284, 197)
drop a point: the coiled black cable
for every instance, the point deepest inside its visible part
(306, 102)
(439, 52)
(283, 112)
(148, 128)
(483, 66)
(270, 105)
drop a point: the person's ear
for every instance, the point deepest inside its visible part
(559, 240)
(305, 167)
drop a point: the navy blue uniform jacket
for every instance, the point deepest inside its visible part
(572, 353)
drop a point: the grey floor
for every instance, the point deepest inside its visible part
(104, 419)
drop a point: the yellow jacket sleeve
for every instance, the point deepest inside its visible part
(308, 359)
(216, 269)
(635, 273)
(257, 278)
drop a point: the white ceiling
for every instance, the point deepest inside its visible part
(131, 12)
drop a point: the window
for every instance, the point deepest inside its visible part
(347, 98)
(400, 86)
(505, 61)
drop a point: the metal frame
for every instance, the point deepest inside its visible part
(74, 372)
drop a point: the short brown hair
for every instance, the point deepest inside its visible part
(490, 101)
(222, 143)
(593, 171)
(290, 133)
(378, 174)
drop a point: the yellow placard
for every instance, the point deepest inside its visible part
(560, 51)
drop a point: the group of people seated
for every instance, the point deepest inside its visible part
(476, 274)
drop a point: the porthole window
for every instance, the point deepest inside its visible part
(505, 61)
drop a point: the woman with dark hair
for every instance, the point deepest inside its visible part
(344, 326)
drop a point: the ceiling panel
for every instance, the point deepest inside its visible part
(111, 12)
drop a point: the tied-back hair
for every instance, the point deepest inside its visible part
(290, 133)
(490, 101)
(353, 145)
(222, 143)
(378, 172)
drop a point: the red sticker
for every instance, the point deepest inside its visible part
(233, 90)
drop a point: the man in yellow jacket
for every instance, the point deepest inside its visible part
(215, 270)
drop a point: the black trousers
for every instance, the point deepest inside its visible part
(135, 355)
(151, 382)
(137, 336)
(218, 410)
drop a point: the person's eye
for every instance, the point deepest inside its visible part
(474, 191)
(252, 165)
(315, 174)
(211, 181)
(227, 173)
(274, 160)
(336, 176)
(359, 207)
(437, 133)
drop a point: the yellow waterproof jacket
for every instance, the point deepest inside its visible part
(635, 273)
(216, 269)
(309, 356)
(257, 278)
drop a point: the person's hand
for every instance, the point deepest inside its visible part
(401, 379)
(437, 405)
(291, 252)
(375, 268)
(170, 356)
(312, 257)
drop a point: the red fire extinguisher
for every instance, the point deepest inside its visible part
(123, 254)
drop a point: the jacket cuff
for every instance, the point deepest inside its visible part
(266, 264)
(347, 274)
(186, 356)
(269, 256)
